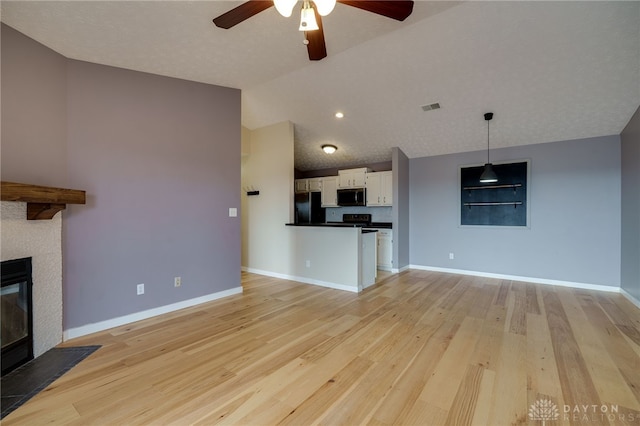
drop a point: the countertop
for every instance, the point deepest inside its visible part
(335, 225)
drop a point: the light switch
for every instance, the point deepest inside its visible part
(233, 212)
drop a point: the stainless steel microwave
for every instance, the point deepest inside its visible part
(352, 197)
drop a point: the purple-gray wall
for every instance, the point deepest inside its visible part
(401, 209)
(34, 115)
(574, 232)
(630, 265)
(160, 161)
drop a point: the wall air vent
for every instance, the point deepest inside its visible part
(430, 107)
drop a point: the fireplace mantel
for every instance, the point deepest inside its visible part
(43, 202)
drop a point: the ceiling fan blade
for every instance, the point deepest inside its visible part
(394, 9)
(242, 12)
(316, 48)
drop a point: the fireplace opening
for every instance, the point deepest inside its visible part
(16, 314)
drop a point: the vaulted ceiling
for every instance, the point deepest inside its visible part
(550, 71)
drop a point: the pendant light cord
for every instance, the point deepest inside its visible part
(488, 123)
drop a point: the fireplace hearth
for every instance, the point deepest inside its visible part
(17, 313)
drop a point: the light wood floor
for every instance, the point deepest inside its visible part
(419, 348)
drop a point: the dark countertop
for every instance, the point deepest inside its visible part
(381, 225)
(334, 225)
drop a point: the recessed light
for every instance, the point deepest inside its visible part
(329, 149)
(339, 114)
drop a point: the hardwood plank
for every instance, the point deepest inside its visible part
(619, 349)
(604, 372)
(419, 348)
(575, 380)
(464, 405)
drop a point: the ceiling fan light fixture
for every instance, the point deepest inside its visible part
(325, 7)
(308, 18)
(329, 149)
(285, 7)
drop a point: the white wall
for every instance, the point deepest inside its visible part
(268, 167)
(42, 241)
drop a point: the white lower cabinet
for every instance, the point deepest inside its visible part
(385, 249)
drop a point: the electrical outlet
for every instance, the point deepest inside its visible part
(450, 256)
(308, 263)
(140, 289)
(177, 282)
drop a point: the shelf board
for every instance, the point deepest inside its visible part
(43, 202)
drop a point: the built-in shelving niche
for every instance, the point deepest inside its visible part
(502, 203)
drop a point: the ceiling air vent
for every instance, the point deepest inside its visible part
(430, 107)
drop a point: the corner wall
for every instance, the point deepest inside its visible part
(34, 150)
(630, 264)
(574, 232)
(401, 209)
(160, 160)
(34, 113)
(268, 168)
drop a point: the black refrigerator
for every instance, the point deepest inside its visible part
(308, 208)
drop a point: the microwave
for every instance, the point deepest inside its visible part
(352, 197)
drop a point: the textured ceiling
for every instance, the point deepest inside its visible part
(550, 71)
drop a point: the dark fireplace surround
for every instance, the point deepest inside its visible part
(17, 313)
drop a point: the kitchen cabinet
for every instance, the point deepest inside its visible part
(314, 184)
(302, 185)
(352, 178)
(308, 185)
(380, 189)
(329, 197)
(385, 249)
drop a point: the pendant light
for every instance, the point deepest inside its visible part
(488, 175)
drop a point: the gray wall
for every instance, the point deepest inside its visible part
(574, 232)
(401, 209)
(630, 265)
(34, 115)
(160, 161)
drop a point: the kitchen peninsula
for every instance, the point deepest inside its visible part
(334, 255)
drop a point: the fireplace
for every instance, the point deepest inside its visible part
(17, 313)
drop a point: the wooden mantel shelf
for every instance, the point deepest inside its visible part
(43, 202)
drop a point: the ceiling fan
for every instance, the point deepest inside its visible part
(311, 16)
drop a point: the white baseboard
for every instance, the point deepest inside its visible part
(301, 279)
(127, 319)
(519, 278)
(404, 268)
(630, 297)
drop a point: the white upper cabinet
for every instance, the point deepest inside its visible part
(308, 185)
(329, 197)
(314, 184)
(380, 189)
(352, 178)
(302, 185)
